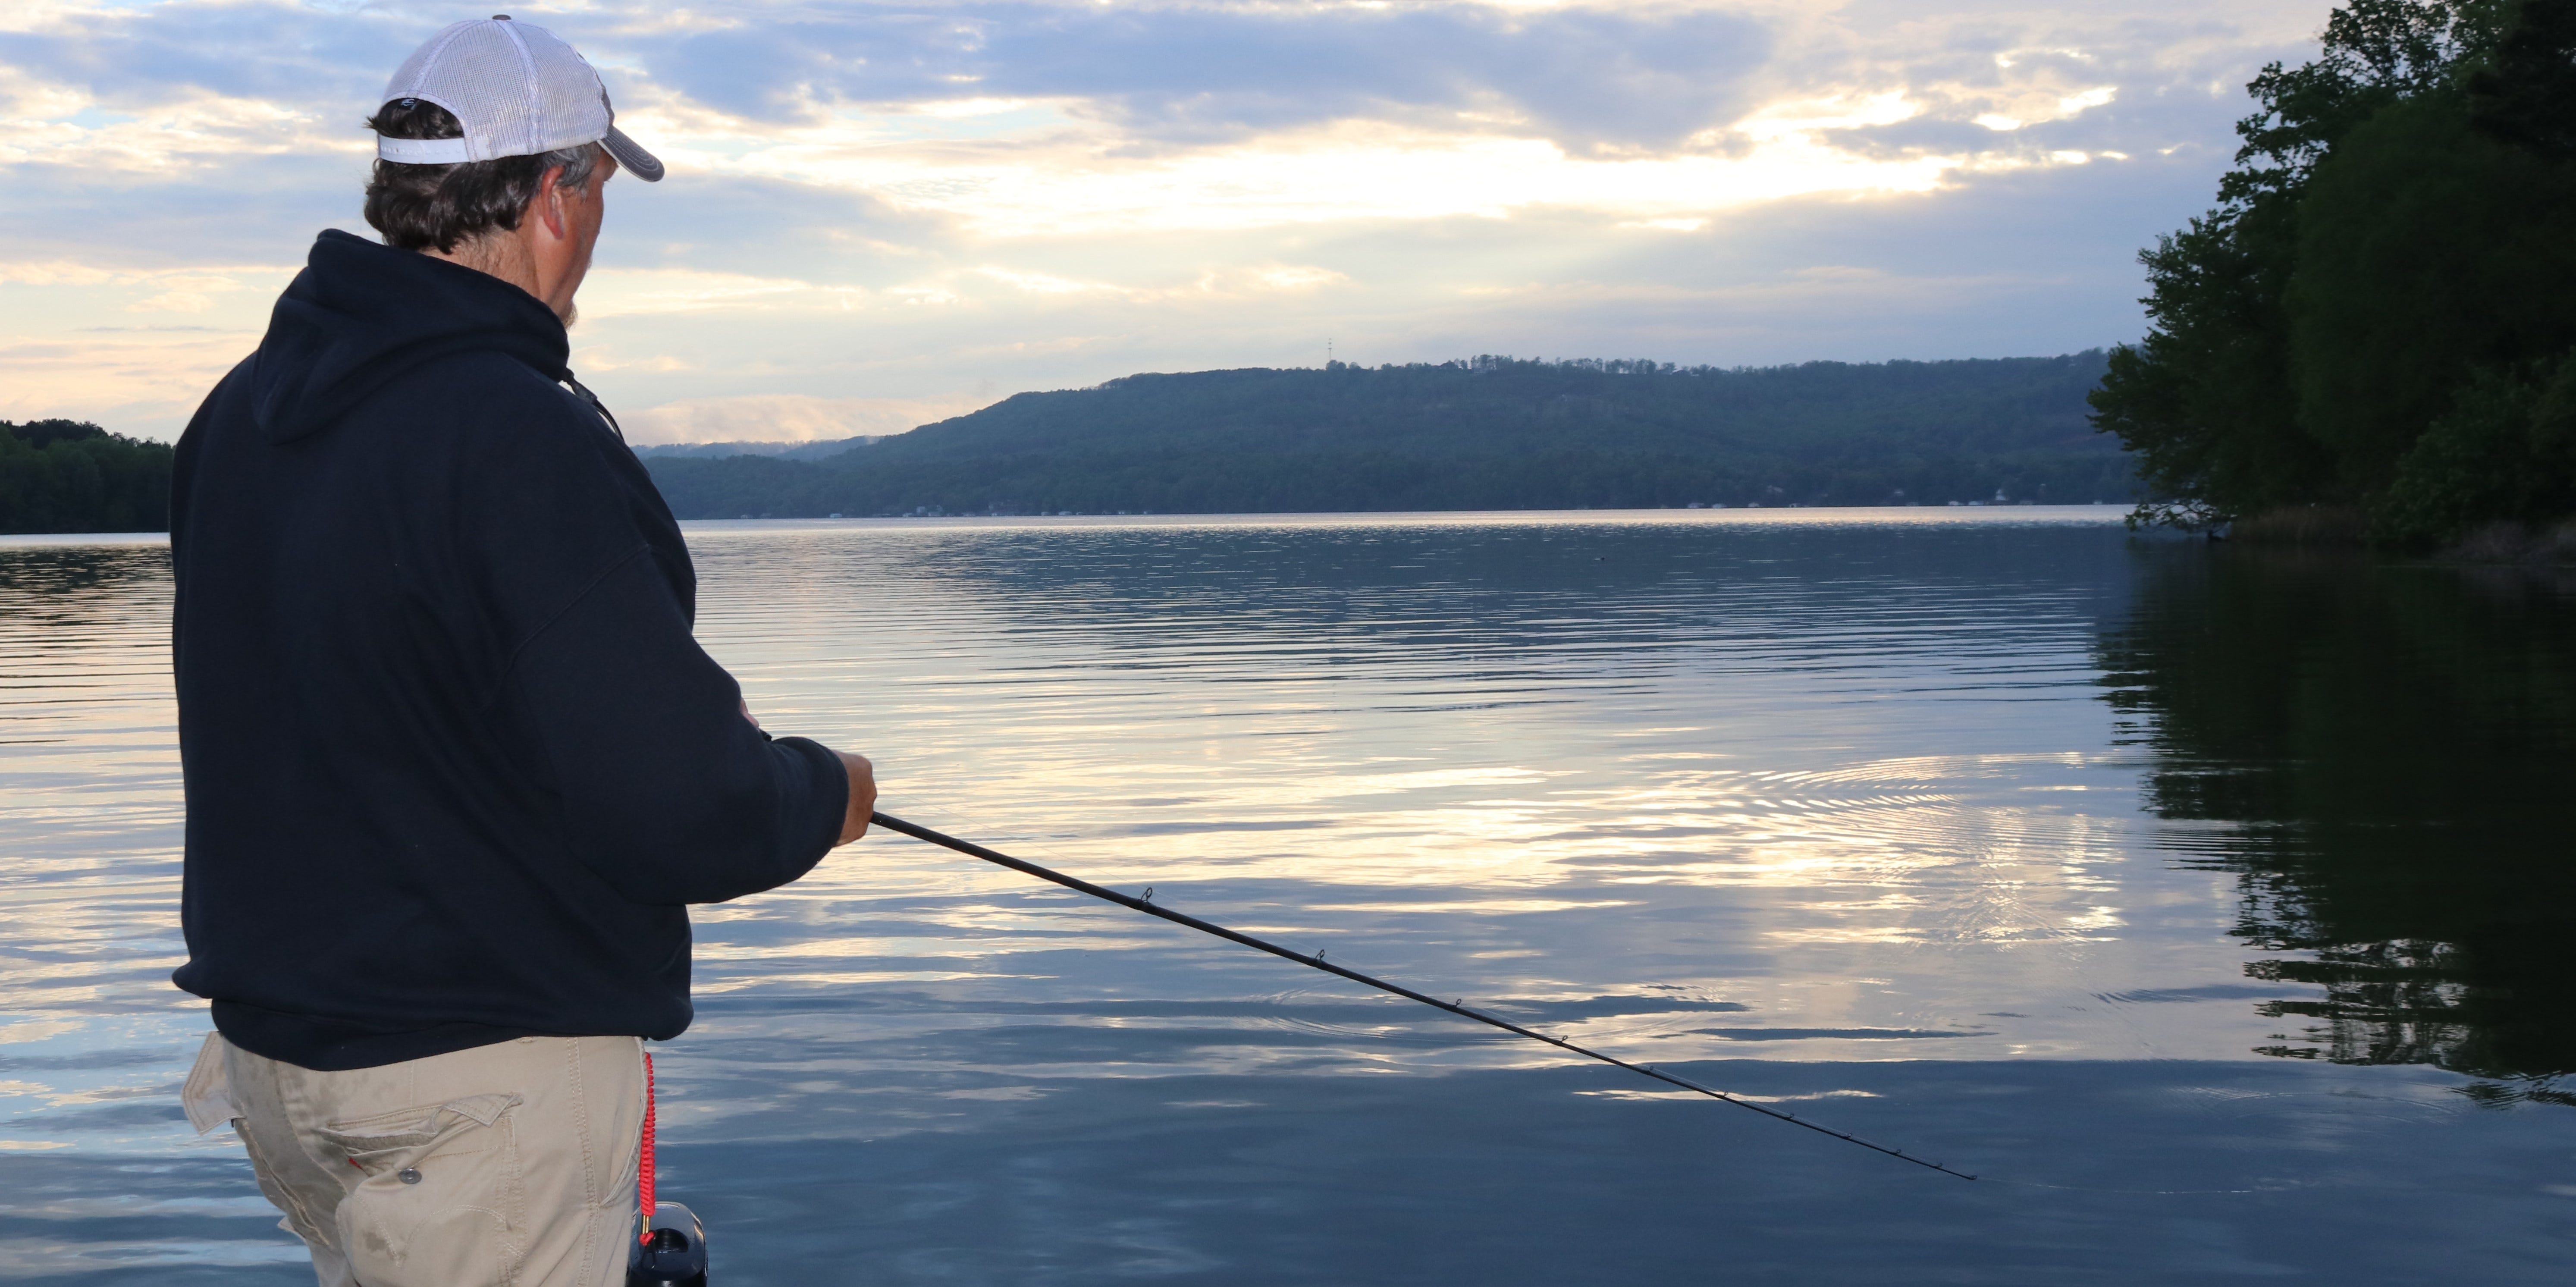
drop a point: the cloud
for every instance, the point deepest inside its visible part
(787, 417)
(1581, 77)
(129, 59)
(876, 210)
(125, 379)
(634, 292)
(1368, 170)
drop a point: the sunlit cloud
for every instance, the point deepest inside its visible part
(204, 131)
(883, 207)
(1352, 172)
(155, 372)
(632, 292)
(783, 417)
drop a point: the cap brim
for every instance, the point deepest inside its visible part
(631, 157)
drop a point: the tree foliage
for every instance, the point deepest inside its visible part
(2399, 231)
(2527, 94)
(1483, 433)
(2428, 252)
(2506, 449)
(70, 476)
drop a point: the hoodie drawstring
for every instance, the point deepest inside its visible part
(596, 405)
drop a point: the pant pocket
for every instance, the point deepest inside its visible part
(279, 1186)
(207, 1095)
(442, 1203)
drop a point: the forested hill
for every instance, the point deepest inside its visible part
(1488, 433)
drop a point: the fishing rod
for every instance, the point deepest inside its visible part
(1145, 903)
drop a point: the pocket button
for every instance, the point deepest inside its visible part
(408, 1175)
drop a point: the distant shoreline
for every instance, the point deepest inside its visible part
(1810, 515)
(1884, 515)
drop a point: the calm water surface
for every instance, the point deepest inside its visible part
(2215, 906)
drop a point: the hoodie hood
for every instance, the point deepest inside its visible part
(361, 314)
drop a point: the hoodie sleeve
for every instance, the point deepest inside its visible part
(666, 791)
(663, 789)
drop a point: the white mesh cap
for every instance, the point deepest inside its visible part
(517, 90)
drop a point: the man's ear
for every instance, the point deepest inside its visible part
(549, 202)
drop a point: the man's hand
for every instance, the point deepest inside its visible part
(863, 796)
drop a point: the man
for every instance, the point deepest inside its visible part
(454, 764)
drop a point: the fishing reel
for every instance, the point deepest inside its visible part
(672, 1251)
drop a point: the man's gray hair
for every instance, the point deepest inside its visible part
(420, 207)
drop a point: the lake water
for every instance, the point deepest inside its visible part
(2215, 906)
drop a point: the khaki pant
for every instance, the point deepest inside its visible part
(509, 1165)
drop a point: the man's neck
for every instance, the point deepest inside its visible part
(500, 254)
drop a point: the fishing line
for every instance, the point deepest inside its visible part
(1460, 1008)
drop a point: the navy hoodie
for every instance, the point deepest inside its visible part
(454, 762)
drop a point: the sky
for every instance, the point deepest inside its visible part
(881, 215)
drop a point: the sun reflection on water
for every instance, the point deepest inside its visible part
(1617, 768)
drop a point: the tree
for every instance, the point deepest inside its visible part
(2428, 252)
(70, 476)
(2242, 396)
(2526, 96)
